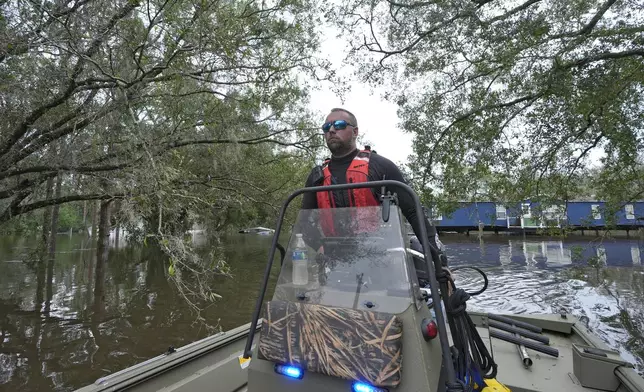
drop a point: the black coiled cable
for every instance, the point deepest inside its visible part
(469, 352)
(445, 277)
(480, 271)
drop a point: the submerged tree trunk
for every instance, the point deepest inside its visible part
(84, 213)
(103, 243)
(54, 219)
(51, 247)
(117, 234)
(40, 286)
(90, 268)
(98, 307)
(46, 218)
(99, 281)
(94, 220)
(49, 286)
(99, 290)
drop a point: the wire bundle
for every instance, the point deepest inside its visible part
(472, 360)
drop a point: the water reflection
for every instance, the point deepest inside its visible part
(601, 282)
(546, 253)
(67, 323)
(636, 255)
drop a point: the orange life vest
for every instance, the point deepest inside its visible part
(362, 220)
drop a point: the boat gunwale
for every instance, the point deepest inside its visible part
(160, 364)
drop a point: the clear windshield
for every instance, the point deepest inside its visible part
(364, 264)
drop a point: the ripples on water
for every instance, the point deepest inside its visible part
(552, 277)
(71, 322)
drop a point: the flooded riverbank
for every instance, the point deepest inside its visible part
(66, 323)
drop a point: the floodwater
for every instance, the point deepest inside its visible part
(66, 323)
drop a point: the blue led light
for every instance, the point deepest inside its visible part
(362, 387)
(289, 371)
(293, 372)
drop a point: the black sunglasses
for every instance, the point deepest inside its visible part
(337, 124)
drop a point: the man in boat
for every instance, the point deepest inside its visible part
(348, 164)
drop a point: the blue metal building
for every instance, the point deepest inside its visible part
(529, 215)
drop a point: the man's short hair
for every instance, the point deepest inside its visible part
(352, 118)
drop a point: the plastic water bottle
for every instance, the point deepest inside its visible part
(300, 262)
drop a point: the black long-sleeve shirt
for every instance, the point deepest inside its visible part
(379, 168)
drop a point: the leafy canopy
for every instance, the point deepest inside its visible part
(509, 100)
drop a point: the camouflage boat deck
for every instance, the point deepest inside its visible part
(340, 342)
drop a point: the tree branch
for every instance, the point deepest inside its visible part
(603, 56)
(24, 185)
(17, 48)
(584, 153)
(256, 140)
(49, 137)
(512, 12)
(21, 209)
(88, 168)
(22, 144)
(63, 168)
(35, 114)
(591, 24)
(415, 4)
(410, 46)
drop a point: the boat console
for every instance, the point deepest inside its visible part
(360, 322)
